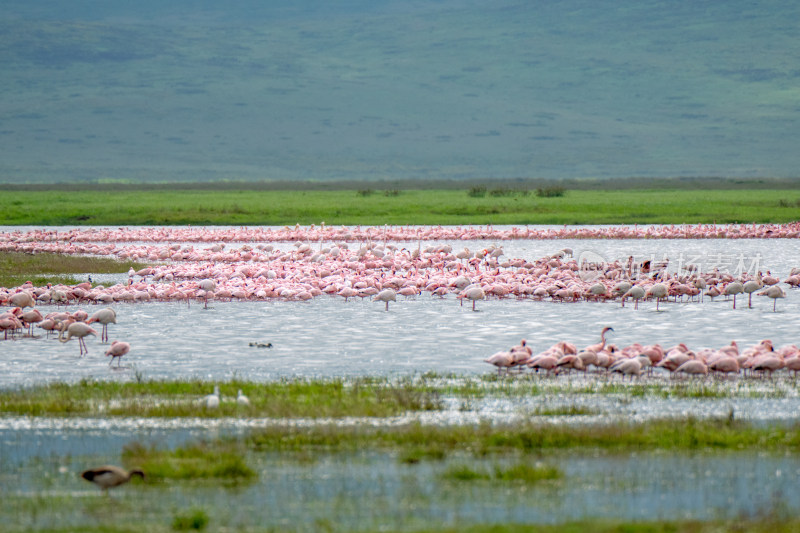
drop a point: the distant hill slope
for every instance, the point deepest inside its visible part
(190, 91)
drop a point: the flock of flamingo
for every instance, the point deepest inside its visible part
(634, 360)
(67, 325)
(200, 264)
(381, 270)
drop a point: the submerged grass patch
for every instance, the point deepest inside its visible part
(523, 473)
(221, 461)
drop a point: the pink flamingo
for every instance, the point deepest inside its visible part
(628, 367)
(501, 360)
(117, 350)
(105, 317)
(386, 295)
(773, 292)
(602, 344)
(474, 294)
(693, 367)
(79, 330)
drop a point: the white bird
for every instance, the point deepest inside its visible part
(386, 295)
(208, 286)
(105, 317)
(659, 291)
(732, 289)
(212, 400)
(474, 294)
(241, 399)
(773, 292)
(750, 287)
(637, 293)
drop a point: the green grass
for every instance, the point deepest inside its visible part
(221, 461)
(420, 442)
(452, 207)
(523, 473)
(567, 410)
(366, 396)
(295, 398)
(192, 519)
(42, 268)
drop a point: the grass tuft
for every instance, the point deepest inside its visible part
(194, 519)
(221, 461)
(524, 473)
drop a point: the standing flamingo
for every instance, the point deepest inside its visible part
(732, 289)
(773, 292)
(659, 291)
(501, 360)
(208, 286)
(750, 287)
(602, 344)
(105, 317)
(117, 350)
(474, 294)
(79, 330)
(386, 295)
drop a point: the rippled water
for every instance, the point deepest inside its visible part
(367, 491)
(328, 337)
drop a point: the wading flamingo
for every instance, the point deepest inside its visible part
(474, 294)
(602, 344)
(79, 330)
(732, 289)
(105, 317)
(117, 350)
(773, 292)
(386, 295)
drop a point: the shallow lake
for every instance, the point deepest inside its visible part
(371, 491)
(329, 337)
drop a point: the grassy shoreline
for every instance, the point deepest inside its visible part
(502, 205)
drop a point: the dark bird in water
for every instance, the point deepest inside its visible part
(261, 344)
(110, 476)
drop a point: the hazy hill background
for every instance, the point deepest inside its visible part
(375, 89)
